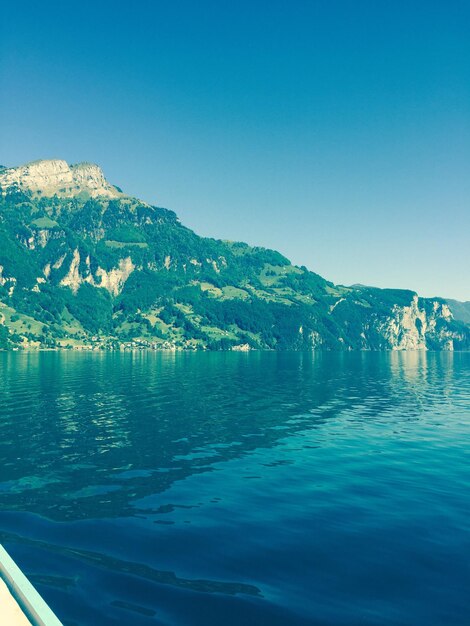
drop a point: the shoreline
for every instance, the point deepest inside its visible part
(208, 350)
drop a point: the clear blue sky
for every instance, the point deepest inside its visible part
(337, 132)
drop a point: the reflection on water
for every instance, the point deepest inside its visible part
(264, 488)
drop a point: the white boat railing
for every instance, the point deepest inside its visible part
(28, 599)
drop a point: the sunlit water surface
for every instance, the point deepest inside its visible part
(239, 489)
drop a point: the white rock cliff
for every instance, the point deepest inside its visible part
(57, 178)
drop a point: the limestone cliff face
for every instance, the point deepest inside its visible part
(39, 238)
(114, 280)
(56, 178)
(89, 177)
(419, 326)
(9, 281)
(78, 273)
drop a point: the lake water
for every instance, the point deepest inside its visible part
(223, 489)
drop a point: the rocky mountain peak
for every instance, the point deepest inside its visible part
(55, 177)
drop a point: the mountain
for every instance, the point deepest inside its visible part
(460, 310)
(83, 265)
(57, 178)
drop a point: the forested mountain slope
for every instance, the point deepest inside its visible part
(84, 265)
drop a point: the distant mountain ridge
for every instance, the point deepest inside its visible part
(460, 310)
(83, 265)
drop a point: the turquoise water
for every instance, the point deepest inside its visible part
(239, 489)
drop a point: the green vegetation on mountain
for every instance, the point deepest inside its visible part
(112, 271)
